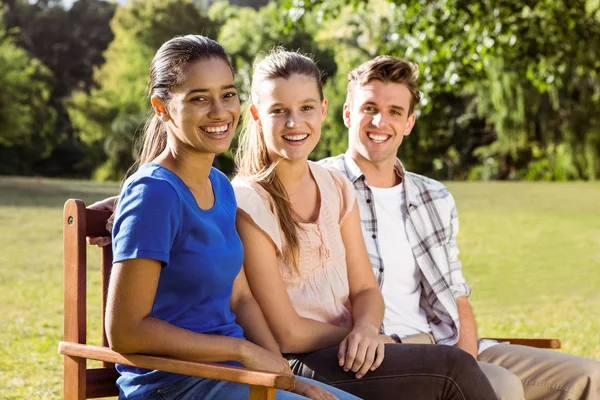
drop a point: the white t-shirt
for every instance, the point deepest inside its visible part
(402, 284)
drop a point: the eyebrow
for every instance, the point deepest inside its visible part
(201, 90)
(371, 103)
(309, 100)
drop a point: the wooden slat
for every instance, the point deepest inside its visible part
(74, 385)
(206, 370)
(539, 343)
(262, 393)
(101, 382)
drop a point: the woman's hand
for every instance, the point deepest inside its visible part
(104, 205)
(313, 392)
(254, 356)
(362, 350)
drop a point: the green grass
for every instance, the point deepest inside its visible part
(531, 252)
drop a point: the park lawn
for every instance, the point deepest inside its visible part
(531, 251)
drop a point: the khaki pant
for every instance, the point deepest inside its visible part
(545, 374)
(521, 372)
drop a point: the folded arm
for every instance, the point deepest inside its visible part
(293, 333)
(131, 329)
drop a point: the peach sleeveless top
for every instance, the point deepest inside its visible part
(319, 290)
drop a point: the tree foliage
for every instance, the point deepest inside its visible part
(510, 89)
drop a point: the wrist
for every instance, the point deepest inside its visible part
(244, 352)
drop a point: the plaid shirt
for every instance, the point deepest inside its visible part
(431, 227)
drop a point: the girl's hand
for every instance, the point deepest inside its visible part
(361, 351)
(312, 391)
(256, 357)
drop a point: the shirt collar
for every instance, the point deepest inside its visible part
(354, 173)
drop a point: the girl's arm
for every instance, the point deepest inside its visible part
(131, 329)
(294, 334)
(363, 349)
(249, 316)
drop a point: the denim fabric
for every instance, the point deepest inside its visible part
(194, 388)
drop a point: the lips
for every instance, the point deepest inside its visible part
(216, 130)
(378, 137)
(295, 137)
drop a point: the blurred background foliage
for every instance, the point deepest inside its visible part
(511, 88)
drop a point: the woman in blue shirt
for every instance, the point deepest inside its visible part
(177, 286)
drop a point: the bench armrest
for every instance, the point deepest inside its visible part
(205, 370)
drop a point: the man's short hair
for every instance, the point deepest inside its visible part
(386, 69)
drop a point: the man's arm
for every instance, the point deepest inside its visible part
(467, 339)
(467, 335)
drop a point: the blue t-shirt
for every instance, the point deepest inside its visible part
(157, 217)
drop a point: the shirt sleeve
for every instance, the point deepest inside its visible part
(257, 207)
(146, 221)
(346, 194)
(458, 285)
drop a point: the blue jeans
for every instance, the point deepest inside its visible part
(193, 388)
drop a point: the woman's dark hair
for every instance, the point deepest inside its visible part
(166, 72)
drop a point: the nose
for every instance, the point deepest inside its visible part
(217, 110)
(379, 120)
(291, 120)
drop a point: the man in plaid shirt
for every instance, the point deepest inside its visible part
(410, 225)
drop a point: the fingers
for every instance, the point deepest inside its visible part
(342, 352)
(369, 358)
(379, 357)
(99, 241)
(351, 353)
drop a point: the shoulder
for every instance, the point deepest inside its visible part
(426, 189)
(257, 203)
(247, 192)
(151, 185)
(336, 163)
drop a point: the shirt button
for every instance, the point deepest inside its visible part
(368, 200)
(380, 269)
(374, 236)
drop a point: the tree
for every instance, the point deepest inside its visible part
(112, 116)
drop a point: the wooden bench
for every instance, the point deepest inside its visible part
(81, 382)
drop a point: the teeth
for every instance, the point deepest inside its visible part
(377, 138)
(216, 129)
(295, 138)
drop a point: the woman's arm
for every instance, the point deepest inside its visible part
(131, 329)
(249, 316)
(294, 334)
(363, 349)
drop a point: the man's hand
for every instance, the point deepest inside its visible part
(361, 351)
(104, 205)
(313, 392)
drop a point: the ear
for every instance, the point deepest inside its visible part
(347, 115)
(160, 108)
(254, 112)
(410, 123)
(324, 105)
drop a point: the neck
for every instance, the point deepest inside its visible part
(292, 174)
(192, 167)
(378, 174)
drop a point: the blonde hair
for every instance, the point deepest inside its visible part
(252, 158)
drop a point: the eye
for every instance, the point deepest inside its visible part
(199, 98)
(395, 112)
(278, 111)
(230, 95)
(369, 109)
(307, 108)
